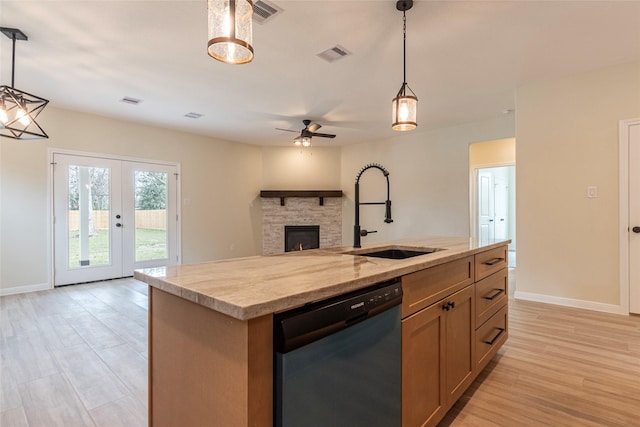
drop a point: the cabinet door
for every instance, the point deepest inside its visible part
(459, 342)
(423, 396)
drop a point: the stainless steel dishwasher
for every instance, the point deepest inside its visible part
(338, 362)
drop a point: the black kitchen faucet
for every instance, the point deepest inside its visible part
(357, 232)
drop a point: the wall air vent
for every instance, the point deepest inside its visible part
(193, 115)
(334, 53)
(132, 101)
(264, 11)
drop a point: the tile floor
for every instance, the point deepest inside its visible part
(75, 356)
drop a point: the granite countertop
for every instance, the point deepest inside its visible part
(246, 288)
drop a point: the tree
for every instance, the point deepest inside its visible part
(151, 190)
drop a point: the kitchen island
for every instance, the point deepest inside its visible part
(211, 324)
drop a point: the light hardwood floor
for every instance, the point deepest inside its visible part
(77, 356)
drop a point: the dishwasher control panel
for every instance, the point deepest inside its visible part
(300, 326)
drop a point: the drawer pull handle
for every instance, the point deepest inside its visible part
(491, 341)
(494, 295)
(494, 261)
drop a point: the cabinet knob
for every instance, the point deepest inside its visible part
(448, 306)
(636, 229)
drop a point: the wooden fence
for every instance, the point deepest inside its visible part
(152, 219)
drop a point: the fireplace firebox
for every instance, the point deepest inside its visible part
(301, 237)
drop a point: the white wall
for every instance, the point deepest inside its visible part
(293, 168)
(429, 180)
(221, 179)
(567, 133)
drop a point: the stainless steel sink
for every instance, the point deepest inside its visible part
(397, 253)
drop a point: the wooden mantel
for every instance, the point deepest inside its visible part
(282, 194)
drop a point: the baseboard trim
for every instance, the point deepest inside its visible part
(570, 302)
(24, 289)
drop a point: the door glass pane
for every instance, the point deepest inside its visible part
(150, 215)
(88, 214)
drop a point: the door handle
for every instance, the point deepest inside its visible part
(636, 229)
(118, 224)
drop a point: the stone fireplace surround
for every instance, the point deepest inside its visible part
(306, 210)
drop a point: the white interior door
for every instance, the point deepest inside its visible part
(634, 219)
(111, 217)
(494, 212)
(486, 229)
(501, 207)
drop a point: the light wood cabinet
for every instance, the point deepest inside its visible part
(425, 287)
(423, 379)
(437, 358)
(489, 337)
(491, 261)
(491, 295)
(451, 328)
(459, 342)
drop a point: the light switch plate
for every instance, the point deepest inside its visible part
(592, 192)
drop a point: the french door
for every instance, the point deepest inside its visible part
(111, 217)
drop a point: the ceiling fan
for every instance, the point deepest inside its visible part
(307, 133)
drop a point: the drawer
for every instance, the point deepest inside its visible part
(488, 262)
(491, 295)
(424, 287)
(490, 337)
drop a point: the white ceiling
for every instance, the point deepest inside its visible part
(464, 60)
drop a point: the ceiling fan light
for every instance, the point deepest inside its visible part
(297, 140)
(230, 31)
(306, 141)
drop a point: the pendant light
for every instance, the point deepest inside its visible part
(405, 104)
(230, 31)
(18, 109)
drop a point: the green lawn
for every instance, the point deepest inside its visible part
(150, 244)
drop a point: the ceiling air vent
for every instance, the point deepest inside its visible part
(334, 53)
(264, 11)
(132, 101)
(193, 115)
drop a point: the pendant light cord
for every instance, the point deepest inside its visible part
(404, 47)
(13, 60)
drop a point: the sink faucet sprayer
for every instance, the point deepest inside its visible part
(357, 232)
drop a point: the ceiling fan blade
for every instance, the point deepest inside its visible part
(288, 130)
(314, 127)
(323, 135)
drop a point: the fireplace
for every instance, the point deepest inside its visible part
(300, 211)
(301, 237)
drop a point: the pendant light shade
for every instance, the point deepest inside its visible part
(405, 110)
(19, 109)
(230, 31)
(405, 104)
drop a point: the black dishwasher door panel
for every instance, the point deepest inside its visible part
(351, 378)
